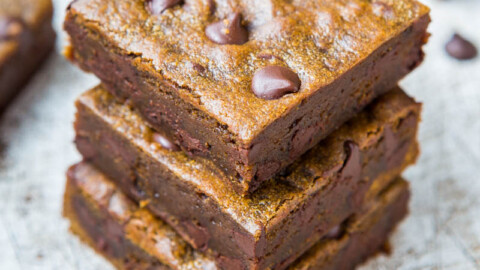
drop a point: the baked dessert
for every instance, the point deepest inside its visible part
(26, 39)
(331, 182)
(131, 238)
(250, 85)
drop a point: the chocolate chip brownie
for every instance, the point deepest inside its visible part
(250, 85)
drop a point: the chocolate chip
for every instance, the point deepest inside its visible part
(352, 165)
(10, 28)
(273, 82)
(460, 48)
(165, 142)
(158, 6)
(228, 31)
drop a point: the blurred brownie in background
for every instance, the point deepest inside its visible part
(26, 39)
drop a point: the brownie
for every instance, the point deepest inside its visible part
(331, 182)
(250, 85)
(132, 238)
(26, 39)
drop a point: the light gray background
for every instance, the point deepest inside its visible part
(442, 231)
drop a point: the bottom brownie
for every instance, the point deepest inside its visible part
(131, 238)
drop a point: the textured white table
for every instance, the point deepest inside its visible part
(442, 231)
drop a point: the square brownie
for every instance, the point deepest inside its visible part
(331, 182)
(250, 85)
(131, 238)
(26, 39)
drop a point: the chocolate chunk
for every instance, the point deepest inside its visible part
(165, 142)
(460, 48)
(158, 6)
(228, 31)
(10, 28)
(352, 166)
(273, 82)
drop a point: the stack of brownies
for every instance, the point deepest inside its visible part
(235, 134)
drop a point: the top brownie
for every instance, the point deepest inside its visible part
(251, 85)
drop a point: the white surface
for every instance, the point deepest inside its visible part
(442, 231)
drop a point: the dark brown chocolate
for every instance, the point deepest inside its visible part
(228, 31)
(274, 82)
(460, 48)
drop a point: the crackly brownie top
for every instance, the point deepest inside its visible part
(215, 51)
(323, 164)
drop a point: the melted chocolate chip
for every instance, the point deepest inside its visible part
(228, 31)
(273, 82)
(165, 142)
(10, 28)
(352, 166)
(460, 48)
(158, 6)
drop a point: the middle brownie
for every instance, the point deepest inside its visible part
(287, 214)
